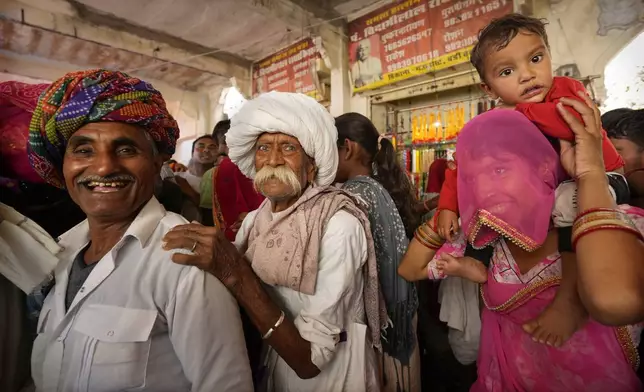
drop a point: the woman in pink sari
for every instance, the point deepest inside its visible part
(508, 173)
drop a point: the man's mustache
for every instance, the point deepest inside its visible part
(281, 173)
(114, 178)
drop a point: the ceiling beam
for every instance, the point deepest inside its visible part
(18, 39)
(320, 9)
(75, 27)
(99, 18)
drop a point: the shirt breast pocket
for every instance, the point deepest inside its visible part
(117, 346)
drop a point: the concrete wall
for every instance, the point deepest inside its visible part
(194, 111)
(44, 39)
(573, 33)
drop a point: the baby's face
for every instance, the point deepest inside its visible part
(521, 72)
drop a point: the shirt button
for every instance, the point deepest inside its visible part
(82, 289)
(60, 339)
(110, 333)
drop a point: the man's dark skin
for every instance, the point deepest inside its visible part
(216, 255)
(109, 152)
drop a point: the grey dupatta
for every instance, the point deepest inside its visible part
(391, 244)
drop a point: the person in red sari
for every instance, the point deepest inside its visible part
(233, 194)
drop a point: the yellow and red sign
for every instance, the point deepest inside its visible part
(414, 37)
(292, 70)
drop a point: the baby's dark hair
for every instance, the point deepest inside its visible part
(498, 34)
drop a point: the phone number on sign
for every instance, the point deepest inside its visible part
(460, 44)
(478, 11)
(421, 58)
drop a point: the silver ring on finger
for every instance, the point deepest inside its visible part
(193, 247)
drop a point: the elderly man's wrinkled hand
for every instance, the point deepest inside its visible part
(208, 249)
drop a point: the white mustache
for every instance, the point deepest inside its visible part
(282, 173)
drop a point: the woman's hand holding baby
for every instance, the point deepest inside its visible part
(583, 157)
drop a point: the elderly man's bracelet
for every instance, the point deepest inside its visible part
(277, 324)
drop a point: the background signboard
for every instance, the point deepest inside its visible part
(414, 37)
(292, 70)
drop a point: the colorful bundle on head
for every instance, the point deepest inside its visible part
(79, 98)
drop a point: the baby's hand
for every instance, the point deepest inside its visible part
(464, 267)
(447, 224)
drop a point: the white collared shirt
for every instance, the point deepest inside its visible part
(139, 321)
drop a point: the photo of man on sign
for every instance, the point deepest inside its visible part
(366, 68)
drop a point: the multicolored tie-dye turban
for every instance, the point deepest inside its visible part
(79, 98)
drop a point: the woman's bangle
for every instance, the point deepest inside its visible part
(597, 210)
(597, 219)
(601, 216)
(427, 237)
(277, 324)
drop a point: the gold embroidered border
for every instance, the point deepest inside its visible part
(628, 347)
(522, 296)
(485, 218)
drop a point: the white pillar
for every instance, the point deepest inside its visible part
(335, 43)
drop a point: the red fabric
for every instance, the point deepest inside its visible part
(436, 175)
(17, 103)
(546, 117)
(235, 194)
(447, 199)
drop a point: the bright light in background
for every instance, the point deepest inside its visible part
(233, 102)
(624, 77)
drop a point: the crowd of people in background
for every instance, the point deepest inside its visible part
(292, 254)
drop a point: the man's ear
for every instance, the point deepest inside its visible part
(488, 91)
(312, 171)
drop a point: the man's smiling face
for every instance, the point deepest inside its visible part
(110, 169)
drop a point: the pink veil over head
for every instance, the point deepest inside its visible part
(507, 175)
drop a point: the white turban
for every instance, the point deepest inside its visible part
(296, 115)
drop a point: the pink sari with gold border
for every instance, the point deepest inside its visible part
(597, 357)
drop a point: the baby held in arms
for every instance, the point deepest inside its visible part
(513, 60)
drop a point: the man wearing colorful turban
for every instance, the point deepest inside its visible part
(85, 97)
(121, 315)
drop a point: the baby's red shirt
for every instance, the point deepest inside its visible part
(447, 199)
(545, 116)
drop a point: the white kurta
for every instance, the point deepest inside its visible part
(194, 181)
(139, 322)
(336, 306)
(27, 252)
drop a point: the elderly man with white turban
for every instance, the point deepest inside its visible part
(303, 265)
